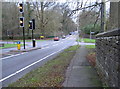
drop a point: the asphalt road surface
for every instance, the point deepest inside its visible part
(14, 67)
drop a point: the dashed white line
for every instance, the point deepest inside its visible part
(1, 80)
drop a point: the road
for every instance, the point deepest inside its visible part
(28, 45)
(14, 67)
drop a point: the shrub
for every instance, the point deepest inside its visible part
(86, 29)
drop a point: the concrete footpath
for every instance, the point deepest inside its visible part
(80, 73)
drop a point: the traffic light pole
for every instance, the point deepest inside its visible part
(23, 33)
(32, 34)
(33, 27)
(33, 41)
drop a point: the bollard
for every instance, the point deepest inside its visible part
(33, 42)
(18, 45)
(42, 37)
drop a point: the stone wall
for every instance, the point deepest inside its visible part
(108, 57)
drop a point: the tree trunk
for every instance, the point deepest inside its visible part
(42, 19)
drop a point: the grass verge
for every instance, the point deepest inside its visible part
(89, 40)
(86, 40)
(90, 46)
(52, 74)
(9, 46)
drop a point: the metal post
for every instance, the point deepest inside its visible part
(90, 34)
(24, 37)
(23, 33)
(32, 34)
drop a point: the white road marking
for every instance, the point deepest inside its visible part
(9, 56)
(13, 56)
(24, 53)
(1, 80)
(55, 45)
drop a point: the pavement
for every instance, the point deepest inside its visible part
(80, 73)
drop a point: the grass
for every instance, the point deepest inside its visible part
(9, 46)
(90, 46)
(86, 40)
(52, 74)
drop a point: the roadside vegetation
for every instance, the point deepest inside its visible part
(52, 74)
(9, 46)
(86, 40)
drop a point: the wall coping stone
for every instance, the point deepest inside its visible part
(115, 32)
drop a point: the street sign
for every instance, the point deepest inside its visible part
(18, 42)
(92, 32)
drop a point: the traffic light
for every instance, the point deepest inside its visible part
(21, 21)
(33, 20)
(30, 25)
(21, 7)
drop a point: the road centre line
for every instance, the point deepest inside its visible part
(1, 80)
